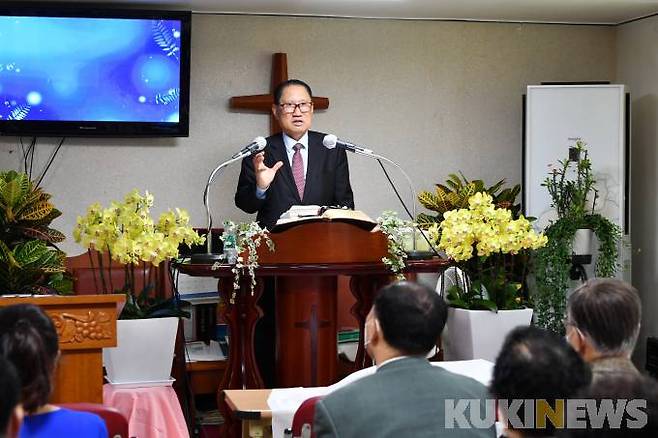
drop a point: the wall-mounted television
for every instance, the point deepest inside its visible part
(70, 70)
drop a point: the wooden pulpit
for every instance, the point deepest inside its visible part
(305, 264)
(85, 325)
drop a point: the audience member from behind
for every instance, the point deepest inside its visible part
(603, 323)
(635, 399)
(406, 396)
(11, 410)
(535, 364)
(28, 339)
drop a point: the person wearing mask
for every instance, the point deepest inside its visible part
(406, 396)
(603, 323)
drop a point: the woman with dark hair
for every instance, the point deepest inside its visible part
(28, 340)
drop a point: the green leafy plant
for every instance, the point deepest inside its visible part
(570, 184)
(396, 231)
(243, 239)
(490, 246)
(455, 193)
(30, 262)
(128, 235)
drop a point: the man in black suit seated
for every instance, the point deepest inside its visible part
(294, 168)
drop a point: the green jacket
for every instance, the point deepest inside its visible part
(404, 398)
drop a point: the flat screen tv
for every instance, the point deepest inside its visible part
(73, 71)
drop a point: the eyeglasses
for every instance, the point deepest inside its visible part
(289, 108)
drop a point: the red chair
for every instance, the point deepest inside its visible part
(116, 423)
(302, 422)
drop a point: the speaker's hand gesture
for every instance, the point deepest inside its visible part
(264, 174)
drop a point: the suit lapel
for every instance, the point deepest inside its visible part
(279, 154)
(315, 160)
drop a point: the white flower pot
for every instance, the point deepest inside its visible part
(144, 351)
(479, 334)
(582, 242)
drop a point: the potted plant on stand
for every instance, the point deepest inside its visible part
(492, 249)
(571, 186)
(30, 263)
(128, 235)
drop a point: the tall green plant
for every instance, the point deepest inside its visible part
(29, 260)
(570, 185)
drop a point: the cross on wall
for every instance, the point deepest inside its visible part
(262, 103)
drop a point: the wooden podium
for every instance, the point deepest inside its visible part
(85, 325)
(305, 265)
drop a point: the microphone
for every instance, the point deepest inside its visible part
(255, 146)
(330, 141)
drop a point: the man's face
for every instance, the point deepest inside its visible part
(294, 124)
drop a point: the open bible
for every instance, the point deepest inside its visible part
(298, 214)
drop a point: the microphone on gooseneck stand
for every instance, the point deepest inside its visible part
(209, 256)
(330, 141)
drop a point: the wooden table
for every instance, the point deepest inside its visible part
(250, 406)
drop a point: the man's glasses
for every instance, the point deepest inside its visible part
(289, 108)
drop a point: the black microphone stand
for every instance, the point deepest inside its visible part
(415, 253)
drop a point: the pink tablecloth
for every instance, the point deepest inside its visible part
(151, 412)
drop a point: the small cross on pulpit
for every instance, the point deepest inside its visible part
(313, 326)
(263, 102)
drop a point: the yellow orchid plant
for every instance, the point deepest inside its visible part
(126, 231)
(483, 240)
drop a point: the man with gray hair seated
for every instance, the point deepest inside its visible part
(603, 323)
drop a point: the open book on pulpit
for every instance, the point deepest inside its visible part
(298, 214)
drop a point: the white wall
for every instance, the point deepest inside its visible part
(637, 53)
(437, 97)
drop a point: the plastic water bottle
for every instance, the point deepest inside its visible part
(230, 248)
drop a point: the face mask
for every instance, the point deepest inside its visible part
(366, 339)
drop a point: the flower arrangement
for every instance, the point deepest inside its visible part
(483, 240)
(243, 238)
(455, 192)
(128, 234)
(395, 230)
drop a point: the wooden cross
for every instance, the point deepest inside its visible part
(262, 103)
(313, 326)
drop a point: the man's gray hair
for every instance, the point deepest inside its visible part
(608, 312)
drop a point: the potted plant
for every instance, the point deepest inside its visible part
(571, 185)
(492, 248)
(126, 232)
(241, 242)
(30, 263)
(456, 192)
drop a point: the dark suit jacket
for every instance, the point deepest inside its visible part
(404, 398)
(327, 180)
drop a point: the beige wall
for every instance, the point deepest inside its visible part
(637, 53)
(436, 97)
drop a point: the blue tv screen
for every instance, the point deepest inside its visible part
(94, 72)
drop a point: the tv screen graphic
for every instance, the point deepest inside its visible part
(95, 75)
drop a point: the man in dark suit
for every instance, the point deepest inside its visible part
(294, 168)
(407, 396)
